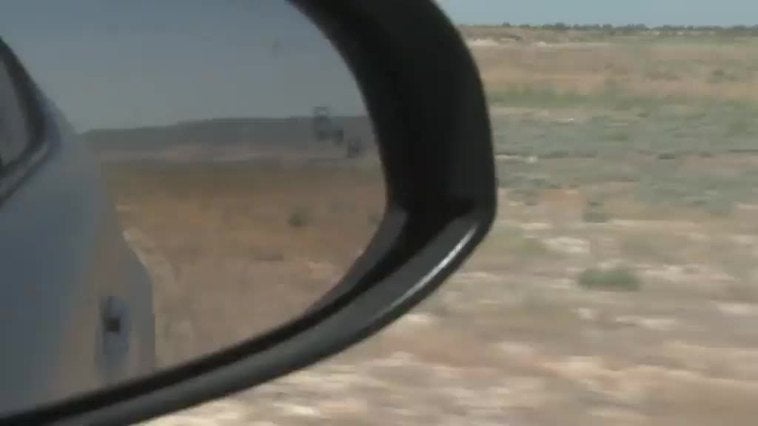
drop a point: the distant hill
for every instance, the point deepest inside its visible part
(508, 34)
(231, 139)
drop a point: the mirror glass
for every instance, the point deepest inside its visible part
(233, 142)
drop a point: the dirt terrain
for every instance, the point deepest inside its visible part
(525, 345)
(235, 250)
(619, 284)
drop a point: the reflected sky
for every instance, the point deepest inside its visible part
(114, 63)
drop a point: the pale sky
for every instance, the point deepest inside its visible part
(123, 63)
(117, 63)
(649, 12)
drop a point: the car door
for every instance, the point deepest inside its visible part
(75, 302)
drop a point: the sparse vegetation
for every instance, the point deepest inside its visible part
(229, 244)
(299, 218)
(595, 216)
(663, 75)
(594, 212)
(720, 75)
(741, 126)
(619, 136)
(668, 156)
(614, 279)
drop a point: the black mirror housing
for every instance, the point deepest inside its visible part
(425, 97)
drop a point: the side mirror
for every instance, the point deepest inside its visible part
(84, 316)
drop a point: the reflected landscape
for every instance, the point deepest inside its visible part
(234, 144)
(237, 246)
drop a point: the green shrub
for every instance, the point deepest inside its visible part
(594, 211)
(619, 136)
(668, 156)
(532, 201)
(721, 76)
(595, 216)
(268, 256)
(662, 75)
(719, 207)
(739, 127)
(299, 218)
(624, 104)
(615, 279)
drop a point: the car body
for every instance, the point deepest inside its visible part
(76, 303)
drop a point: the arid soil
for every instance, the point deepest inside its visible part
(236, 250)
(619, 284)
(524, 345)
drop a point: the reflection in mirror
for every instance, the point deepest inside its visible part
(234, 144)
